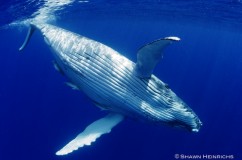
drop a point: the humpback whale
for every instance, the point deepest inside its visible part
(115, 83)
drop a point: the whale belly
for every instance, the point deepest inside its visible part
(99, 71)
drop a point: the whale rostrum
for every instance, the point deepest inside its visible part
(115, 83)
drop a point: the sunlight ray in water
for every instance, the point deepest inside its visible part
(44, 14)
(47, 12)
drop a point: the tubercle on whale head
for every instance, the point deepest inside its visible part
(189, 119)
(199, 124)
(193, 126)
(196, 127)
(192, 123)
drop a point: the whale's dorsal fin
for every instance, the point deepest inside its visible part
(92, 132)
(150, 54)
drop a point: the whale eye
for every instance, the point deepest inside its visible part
(88, 58)
(167, 86)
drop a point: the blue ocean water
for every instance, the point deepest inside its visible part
(39, 114)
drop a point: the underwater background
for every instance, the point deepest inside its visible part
(39, 114)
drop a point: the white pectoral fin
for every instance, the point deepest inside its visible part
(149, 55)
(92, 132)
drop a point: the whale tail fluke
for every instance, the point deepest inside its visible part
(29, 35)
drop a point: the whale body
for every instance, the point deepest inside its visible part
(115, 83)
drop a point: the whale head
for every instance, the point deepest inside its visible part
(165, 107)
